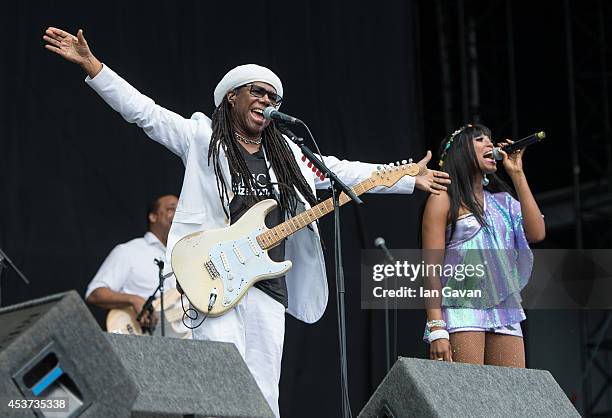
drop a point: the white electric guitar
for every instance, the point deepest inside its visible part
(216, 268)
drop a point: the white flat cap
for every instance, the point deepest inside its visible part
(244, 74)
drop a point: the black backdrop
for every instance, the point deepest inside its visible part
(367, 79)
(76, 178)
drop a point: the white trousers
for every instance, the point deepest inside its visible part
(257, 327)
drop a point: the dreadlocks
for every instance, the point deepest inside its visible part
(279, 154)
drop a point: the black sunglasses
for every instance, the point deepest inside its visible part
(259, 92)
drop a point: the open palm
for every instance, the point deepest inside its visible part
(70, 47)
(431, 181)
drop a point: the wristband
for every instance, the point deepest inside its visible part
(438, 334)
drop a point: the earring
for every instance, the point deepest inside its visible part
(485, 180)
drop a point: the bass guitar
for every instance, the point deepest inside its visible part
(123, 320)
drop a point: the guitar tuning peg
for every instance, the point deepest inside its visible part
(397, 163)
(410, 161)
(379, 167)
(404, 161)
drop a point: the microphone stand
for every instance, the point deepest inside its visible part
(320, 165)
(160, 274)
(341, 306)
(148, 306)
(337, 187)
(390, 259)
(4, 260)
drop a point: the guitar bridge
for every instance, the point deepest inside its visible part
(212, 270)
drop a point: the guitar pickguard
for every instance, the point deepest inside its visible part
(242, 262)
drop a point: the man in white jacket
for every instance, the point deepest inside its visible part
(232, 161)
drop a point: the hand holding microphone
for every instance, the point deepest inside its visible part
(513, 164)
(518, 145)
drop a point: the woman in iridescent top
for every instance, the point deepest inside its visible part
(478, 221)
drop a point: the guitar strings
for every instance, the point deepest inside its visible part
(192, 314)
(294, 207)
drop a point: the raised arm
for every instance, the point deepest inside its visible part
(72, 48)
(164, 126)
(533, 221)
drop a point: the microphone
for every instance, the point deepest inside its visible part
(271, 113)
(380, 243)
(520, 144)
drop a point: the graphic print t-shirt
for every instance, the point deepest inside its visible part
(275, 288)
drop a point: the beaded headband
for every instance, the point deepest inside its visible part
(450, 142)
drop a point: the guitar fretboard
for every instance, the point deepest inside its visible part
(274, 236)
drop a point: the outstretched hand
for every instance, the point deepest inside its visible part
(430, 181)
(72, 48)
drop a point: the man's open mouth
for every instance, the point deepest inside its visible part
(258, 114)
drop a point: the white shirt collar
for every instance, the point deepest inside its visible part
(151, 239)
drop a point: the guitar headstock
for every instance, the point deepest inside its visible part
(389, 174)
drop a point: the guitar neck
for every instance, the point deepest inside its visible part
(272, 237)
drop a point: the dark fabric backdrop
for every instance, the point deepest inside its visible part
(76, 178)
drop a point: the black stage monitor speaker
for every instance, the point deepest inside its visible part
(425, 388)
(189, 378)
(55, 361)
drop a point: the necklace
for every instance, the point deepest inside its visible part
(247, 140)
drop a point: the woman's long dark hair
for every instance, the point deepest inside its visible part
(461, 163)
(278, 153)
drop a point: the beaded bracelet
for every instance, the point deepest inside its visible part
(436, 323)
